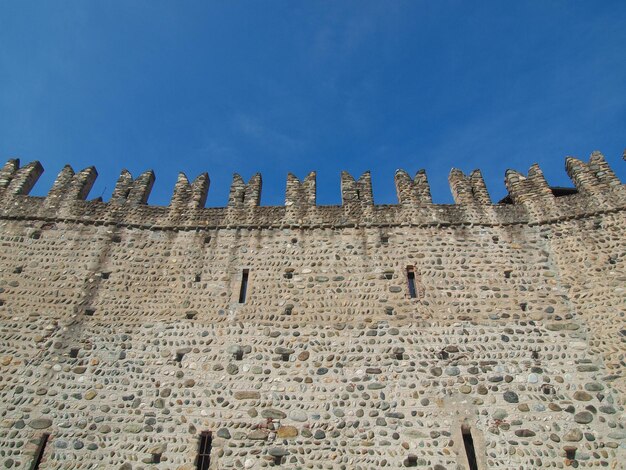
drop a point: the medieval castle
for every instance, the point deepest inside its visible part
(446, 337)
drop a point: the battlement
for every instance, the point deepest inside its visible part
(530, 199)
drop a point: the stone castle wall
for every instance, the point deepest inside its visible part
(122, 336)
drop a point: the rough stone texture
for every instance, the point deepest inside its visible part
(122, 336)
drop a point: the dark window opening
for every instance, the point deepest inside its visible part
(388, 275)
(558, 191)
(358, 195)
(18, 270)
(384, 239)
(116, 239)
(207, 240)
(238, 355)
(410, 274)
(74, 353)
(523, 306)
(244, 286)
(399, 356)
(190, 315)
(288, 310)
(1, 302)
(156, 457)
(179, 357)
(278, 459)
(197, 278)
(285, 357)
(389, 310)
(204, 451)
(534, 355)
(41, 448)
(468, 442)
(89, 312)
(411, 461)
(36, 235)
(507, 274)
(105, 275)
(289, 275)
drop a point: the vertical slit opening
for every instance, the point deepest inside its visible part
(410, 275)
(41, 448)
(204, 451)
(470, 452)
(244, 286)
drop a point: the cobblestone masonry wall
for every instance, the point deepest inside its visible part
(122, 337)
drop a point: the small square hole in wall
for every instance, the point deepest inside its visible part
(288, 310)
(285, 357)
(570, 452)
(90, 312)
(507, 274)
(1, 302)
(238, 355)
(35, 235)
(197, 278)
(384, 239)
(180, 357)
(191, 315)
(74, 353)
(288, 275)
(207, 239)
(116, 239)
(156, 457)
(18, 270)
(105, 275)
(388, 275)
(523, 306)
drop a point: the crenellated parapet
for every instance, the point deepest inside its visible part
(133, 191)
(470, 190)
(245, 195)
(530, 199)
(16, 180)
(414, 191)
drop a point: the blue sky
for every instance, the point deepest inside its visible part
(279, 86)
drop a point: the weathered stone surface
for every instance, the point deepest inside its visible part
(123, 335)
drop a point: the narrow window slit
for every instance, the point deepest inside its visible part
(523, 306)
(74, 353)
(244, 286)
(197, 278)
(468, 442)
(410, 274)
(204, 451)
(156, 457)
(41, 448)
